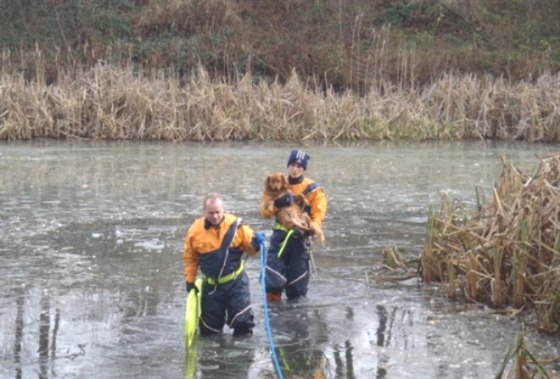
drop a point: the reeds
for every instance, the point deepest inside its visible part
(111, 103)
(507, 254)
(522, 364)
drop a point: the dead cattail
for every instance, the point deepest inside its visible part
(508, 250)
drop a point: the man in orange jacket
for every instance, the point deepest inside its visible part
(287, 265)
(217, 243)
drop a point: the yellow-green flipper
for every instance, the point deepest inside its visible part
(192, 314)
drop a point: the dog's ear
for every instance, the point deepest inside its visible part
(267, 181)
(284, 181)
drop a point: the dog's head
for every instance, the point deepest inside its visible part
(276, 182)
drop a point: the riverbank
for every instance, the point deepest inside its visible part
(114, 103)
(348, 45)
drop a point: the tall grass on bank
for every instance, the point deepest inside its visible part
(111, 103)
(507, 254)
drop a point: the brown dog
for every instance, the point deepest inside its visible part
(292, 217)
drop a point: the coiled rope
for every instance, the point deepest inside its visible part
(277, 366)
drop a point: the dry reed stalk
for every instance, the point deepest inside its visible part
(519, 271)
(452, 288)
(522, 363)
(496, 284)
(506, 254)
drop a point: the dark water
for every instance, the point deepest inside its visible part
(91, 272)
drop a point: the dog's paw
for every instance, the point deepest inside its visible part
(317, 232)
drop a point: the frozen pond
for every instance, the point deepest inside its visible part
(91, 269)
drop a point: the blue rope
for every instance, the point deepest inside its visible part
(277, 365)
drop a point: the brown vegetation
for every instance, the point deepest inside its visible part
(507, 254)
(107, 102)
(523, 365)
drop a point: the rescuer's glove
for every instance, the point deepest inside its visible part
(258, 239)
(284, 201)
(191, 286)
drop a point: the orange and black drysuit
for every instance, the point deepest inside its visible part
(287, 263)
(218, 250)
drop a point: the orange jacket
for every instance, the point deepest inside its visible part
(200, 240)
(316, 198)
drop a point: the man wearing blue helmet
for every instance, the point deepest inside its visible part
(287, 266)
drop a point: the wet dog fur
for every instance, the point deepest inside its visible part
(292, 217)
